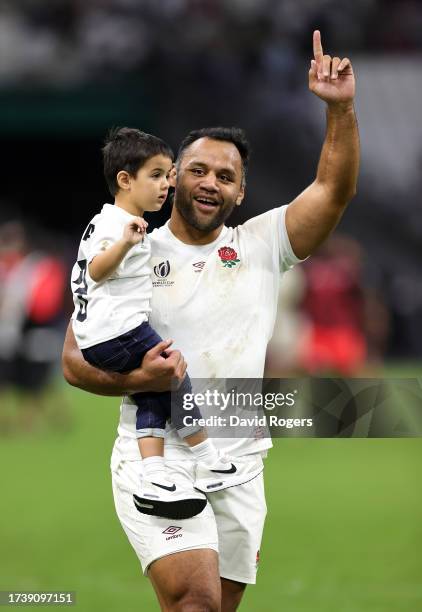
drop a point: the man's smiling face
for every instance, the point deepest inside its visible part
(209, 183)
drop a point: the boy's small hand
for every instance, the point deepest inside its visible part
(134, 231)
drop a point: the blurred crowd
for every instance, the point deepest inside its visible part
(330, 320)
(70, 41)
(33, 285)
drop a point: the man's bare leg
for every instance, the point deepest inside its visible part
(187, 581)
(231, 594)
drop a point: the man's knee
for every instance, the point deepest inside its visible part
(188, 581)
(198, 601)
(231, 594)
(192, 598)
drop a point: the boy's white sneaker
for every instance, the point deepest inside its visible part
(226, 472)
(166, 499)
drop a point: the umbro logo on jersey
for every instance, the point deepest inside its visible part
(199, 265)
(162, 270)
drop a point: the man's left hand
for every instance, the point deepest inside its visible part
(331, 78)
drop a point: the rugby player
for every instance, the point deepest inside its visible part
(215, 294)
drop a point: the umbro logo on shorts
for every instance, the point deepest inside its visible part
(172, 529)
(173, 532)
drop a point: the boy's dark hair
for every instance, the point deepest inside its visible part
(229, 134)
(128, 149)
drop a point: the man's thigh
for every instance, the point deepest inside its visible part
(154, 537)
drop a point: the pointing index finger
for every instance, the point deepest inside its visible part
(318, 52)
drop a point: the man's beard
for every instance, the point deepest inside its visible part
(186, 208)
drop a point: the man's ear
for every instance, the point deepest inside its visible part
(123, 180)
(172, 176)
(240, 196)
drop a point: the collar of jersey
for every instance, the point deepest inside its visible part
(116, 210)
(196, 247)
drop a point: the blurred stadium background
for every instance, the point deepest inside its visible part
(344, 530)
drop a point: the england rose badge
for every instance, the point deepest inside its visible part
(228, 257)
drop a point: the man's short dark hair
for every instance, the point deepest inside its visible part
(234, 135)
(128, 149)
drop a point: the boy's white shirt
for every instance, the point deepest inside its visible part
(221, 317)
(120, 303)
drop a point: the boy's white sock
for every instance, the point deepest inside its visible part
(205, 452)
(154, 468)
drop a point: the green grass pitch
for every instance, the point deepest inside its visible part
(343, 532)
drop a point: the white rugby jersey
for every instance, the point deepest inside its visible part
(109, 308)
(218, 302)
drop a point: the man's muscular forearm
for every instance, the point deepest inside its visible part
(338, 166)
(79, 373)
(156, 374)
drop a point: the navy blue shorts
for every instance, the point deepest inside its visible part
(126, 353)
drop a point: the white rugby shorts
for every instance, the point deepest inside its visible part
(231, 523)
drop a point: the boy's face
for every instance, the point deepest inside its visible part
(148, 189)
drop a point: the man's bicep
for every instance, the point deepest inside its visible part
(310, 218)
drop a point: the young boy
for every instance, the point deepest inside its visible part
(112, 287)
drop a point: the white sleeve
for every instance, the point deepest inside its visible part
(271, 227)
(105, 234)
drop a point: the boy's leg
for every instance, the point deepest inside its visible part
(157, 495)
(151, 447)
(151, 417)
(195, 435)
(150, 429)
(152, 453)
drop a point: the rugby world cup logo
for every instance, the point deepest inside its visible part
(162, 270)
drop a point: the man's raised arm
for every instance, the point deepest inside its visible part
(316, 211)
(156, 373)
